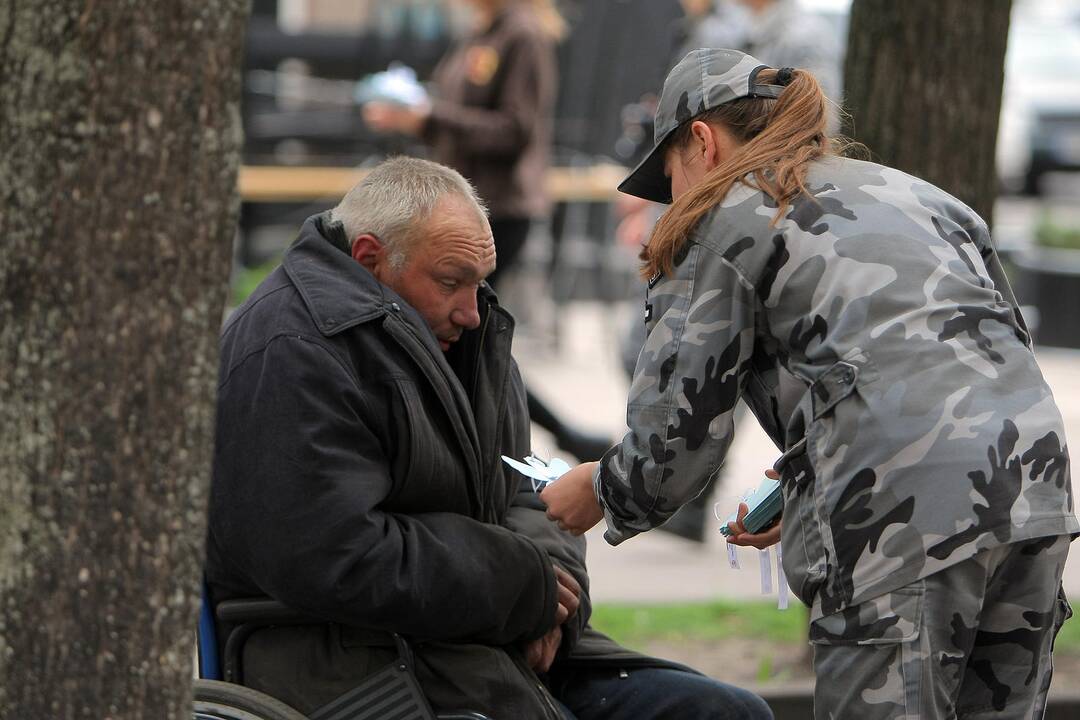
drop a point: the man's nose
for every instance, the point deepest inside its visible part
(466, 314)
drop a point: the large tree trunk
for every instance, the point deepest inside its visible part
(922, 82)
(119, 144)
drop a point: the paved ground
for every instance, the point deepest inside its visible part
(582, 379)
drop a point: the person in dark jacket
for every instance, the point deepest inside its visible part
(367, 391)
(491, 114)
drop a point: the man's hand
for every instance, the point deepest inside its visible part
(739, 536)
(540, 653)
(569, 595)
(571, 502)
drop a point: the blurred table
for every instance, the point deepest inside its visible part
(286, 184)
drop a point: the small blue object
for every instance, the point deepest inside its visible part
(397, 84)
(764, 505)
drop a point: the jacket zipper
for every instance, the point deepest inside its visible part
(532, 679)
(487, 513)
(446, 395)
(479, 353)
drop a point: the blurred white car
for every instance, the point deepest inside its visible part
(1040, 108)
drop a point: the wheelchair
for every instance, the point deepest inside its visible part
(391, 693)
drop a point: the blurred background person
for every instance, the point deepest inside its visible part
(784, 34)
(490, 116)
(710, 23)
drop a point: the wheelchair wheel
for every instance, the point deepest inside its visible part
(224, 701)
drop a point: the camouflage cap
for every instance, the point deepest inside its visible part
(706, 78)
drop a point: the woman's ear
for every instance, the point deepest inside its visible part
(702, 143)
(718, 144)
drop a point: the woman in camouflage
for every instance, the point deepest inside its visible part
(863, 315)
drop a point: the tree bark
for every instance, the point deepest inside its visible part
(119, 145)
(922, 84)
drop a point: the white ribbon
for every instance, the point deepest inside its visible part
(781, 580)
(766, 571)
(732, 556)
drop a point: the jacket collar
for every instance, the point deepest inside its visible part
(338, 291)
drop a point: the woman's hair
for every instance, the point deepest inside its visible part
(779, 137)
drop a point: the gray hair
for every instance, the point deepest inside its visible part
(395, 197)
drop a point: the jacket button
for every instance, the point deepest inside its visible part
(395, 307)
(849, 376)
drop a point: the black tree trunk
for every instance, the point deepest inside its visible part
(922, 83)
(119, 145)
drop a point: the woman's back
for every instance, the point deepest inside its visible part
(883, 338)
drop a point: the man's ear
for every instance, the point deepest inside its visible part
(368, 251)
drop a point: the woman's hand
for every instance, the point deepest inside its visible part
(571, 501)
(387, 117)
(761, 540)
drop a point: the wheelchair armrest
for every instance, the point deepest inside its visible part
(260, 611)
(244, 616)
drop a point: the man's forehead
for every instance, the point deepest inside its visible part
(456, 242)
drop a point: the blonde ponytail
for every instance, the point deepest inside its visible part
(780, 139)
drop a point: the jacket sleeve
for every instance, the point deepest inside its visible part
(299, 481)
(527, 88)
(996, 271)
(687, 382)
(527, 515)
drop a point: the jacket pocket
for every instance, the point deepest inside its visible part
(888, 619)
(834, 385)
(415, 457)
(800, 531)
(491, 680)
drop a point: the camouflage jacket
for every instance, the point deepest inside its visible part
(873, 333)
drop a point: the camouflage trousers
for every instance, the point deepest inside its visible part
(973, 640)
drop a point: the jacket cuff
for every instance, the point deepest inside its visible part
(616, 531)
(550, 593)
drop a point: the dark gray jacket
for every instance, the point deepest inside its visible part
(357, 478)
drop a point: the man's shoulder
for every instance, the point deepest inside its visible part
(274, 309)
(267, 306)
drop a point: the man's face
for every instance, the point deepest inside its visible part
(444, 267)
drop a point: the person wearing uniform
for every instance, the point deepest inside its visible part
(863, 315)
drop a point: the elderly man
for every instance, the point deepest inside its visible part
(367, 391)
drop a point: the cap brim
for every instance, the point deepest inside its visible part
(648, 180)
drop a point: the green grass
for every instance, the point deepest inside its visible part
(635, 625)
(1068, 640)
(247, 279)
(1050, 234)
